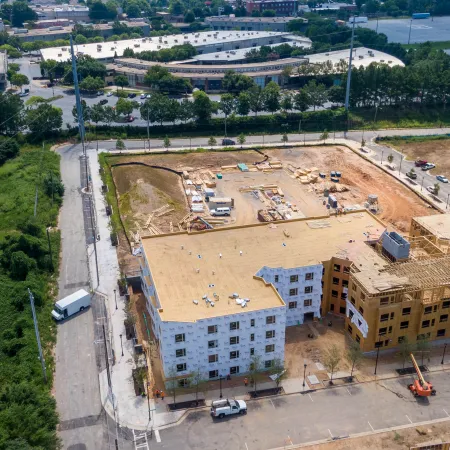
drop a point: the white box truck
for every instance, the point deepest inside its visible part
(70, 305)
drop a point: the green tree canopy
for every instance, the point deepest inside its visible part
(44, 120)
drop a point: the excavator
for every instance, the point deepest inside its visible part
(420, 387)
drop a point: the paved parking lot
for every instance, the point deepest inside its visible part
(294, 419)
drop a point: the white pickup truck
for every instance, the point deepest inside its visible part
(225, 407)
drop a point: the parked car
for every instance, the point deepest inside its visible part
(420, 162)
(148, 96)
(412, 175)
(130, 119)
(142, 96)
(100, 93)
(103, 102)
(110, 94)
(225, 407)
(131, 95)
(227, 141)
(428, 166)
(441, 178)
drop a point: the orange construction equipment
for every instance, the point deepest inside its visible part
(420, 387)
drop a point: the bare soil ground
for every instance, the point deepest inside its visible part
(393, 440)
(434, 151)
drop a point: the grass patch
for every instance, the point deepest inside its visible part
(27, 408)
(442, 45)
(396, 140)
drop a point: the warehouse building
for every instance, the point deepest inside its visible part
(281, 7)
(235, 290)
(250, 23)
(204, 42)
(73, 13)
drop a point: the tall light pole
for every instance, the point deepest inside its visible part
(349, 72)
(448, 196)
(115, 298)
(400, 168)
(443, 354)
(220, 383)
(378, 352)
(121, 344)
(410, 26)
(382, 152)
(304, 375)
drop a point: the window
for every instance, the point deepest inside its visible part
(270, 348)
(391, 316)
(293, 291)
(361, 310)
(404, 325)
(308, 289)
(384, 317)
(252, 322)
(309, 276)
(425, 324)
(181, 367)
(332, 307)
(213, 358)
(212, 329)
(335, 280)
(406, 311)
(342, 309)
(350, 329)
(352, 299)
(179, 338)
(336, 267)
(234, 355)
(270, 320)
(277, 278)
(350, 313)
(384, 300)
(441, 333)
(334, 293)
(432, 322)
(234, 340)
(268, 364)
(382, 331)
(363, 296)
(354, 287)
(307, 302)
(443, 318)
(345, 283)
(234, 325)
(390, 330)
(252, 351)
(293, 279)
(270, 334)
(234, 370)
(346, 269)
(180, 352)
(292, 305)
(213, 373)
(446, 304)
(428, 310)
(183, 382)
(379, 344)
(400, 339)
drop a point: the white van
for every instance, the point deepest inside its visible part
(71, 304)
(220, 211)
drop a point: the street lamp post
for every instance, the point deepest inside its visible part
(421, 186)
(115, 298)
(220, 383)
(304, 375)
(400, 168)
(382, 152)
(410, 26)
(121, 344)
(378, 353)
(443, 354)
(448, 196)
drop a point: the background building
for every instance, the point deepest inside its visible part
(250, 23)
(73, 13)
(3, 70)
(281, 7)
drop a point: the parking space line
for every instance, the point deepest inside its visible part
(157, 436)
(410, 421)
(446, 412)
(348, 391)
(330, 433)
(246, 447)
(309, 395)
(270, 400)
(370, 426)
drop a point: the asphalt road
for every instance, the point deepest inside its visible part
(325, 414)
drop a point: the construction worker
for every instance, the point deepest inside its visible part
(162, 395)
(157, 393)
(245, 381)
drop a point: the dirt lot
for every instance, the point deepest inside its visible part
(434, 151)
(393, 440)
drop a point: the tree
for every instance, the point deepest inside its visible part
(243, 104)
(9, 148)
(109, 114)
(124, 106)
(363, 142)
(21, 264)
(97, 115)
(284, 139)
(172, 383)
(19, 80)
(44, 120)
(85, 109)
(279, 370)
(11, 113)
(120, 145)
(437, 188)
(269, 13)
(212, 141)
(405, 349)
(186, 111)
(286, 102)
(412, 171)
(255, 370)
(80, 39)
(390, 158)
(316, 93)
(189, 17)
(235, 82)
(21, 13)
(332, 359)
(256, 99)
(197, 382)
(354, 356)
(91, 84)
(133, 10)
(167, 143)
(271, 95)
(227, 105)
(101, 11)
(241, 139)
(203, 106)
(121, 80)
(423, 345)
(324, 136)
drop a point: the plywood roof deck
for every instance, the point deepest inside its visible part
(185, 267)
(438, 225)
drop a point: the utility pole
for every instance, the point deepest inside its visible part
(108, 374)
(409, 36)
(38, 338)
(94, 237)
(349, 72)
(148, 127)
(79, 109)
(50, 250)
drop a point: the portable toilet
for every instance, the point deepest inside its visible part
(332, 201)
